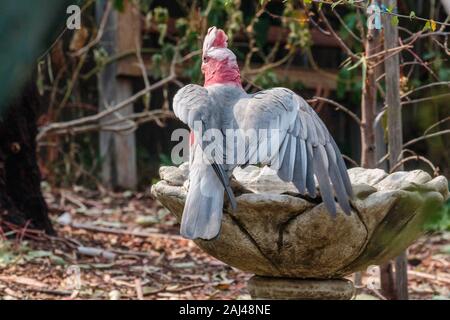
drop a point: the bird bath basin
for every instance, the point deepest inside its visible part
(290, 242)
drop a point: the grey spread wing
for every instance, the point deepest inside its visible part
(304, 147)
(192, 105)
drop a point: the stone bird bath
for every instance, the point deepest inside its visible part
(295, 249)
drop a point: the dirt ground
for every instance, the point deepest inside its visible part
(126, 246)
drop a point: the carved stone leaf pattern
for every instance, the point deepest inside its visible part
(278, 232)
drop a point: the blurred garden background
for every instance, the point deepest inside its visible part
(86, 102)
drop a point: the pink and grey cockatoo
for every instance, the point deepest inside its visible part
(303, 147)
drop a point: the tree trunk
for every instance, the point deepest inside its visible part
(369, 102)
(21, 199)
(395, 133)
(372, 45)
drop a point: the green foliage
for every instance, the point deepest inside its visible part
(344, 77)
(349, 83)
(235, 19)
(161, 17)
(156, 65)
(267, 80)
(297, 23)
(394, 21)
(119, 5)
(11, 253)
(165, 159)
(350, 22)
(440, 220)
(217, 13)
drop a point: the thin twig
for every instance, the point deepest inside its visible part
(112, 126)
(434, 84)
(353, 162)
(49, 291)
(429, 276)
(436, 124)
(416, 158)
(139, 291)
(142, 65)
(431, 135)
(346, 27)
(340, 107)
(426, 99)
(100, 32)
(139, 234)
(95, 118)
(339, 39)
(413, 141)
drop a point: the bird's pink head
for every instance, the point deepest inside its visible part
(219, 63)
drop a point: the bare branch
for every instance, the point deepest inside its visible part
(426, 99)
(413, 141)
(430, 85)
(353, 162)
(142, 65)
(339, 107)
(346, 27)
(431, 135)
(424, 64)
(95, 118)
(338, 38)
(436, 124)
(115, 125)
(415, 158)
(268, 66)
(100, 32)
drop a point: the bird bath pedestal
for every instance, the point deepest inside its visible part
(300, 289)
(292, 245)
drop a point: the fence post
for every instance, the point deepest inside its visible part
(117, 150)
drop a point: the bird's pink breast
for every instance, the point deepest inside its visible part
(191, 138)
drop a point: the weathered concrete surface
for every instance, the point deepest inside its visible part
(277, 232)
(300, 289)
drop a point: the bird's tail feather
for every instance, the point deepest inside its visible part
(202, 215)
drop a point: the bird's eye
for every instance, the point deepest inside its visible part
(205, 59)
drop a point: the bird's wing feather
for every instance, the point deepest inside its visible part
(303, 147)
(192, 105)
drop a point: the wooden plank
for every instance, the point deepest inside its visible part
(311, 79)
(125, 144)
(117, 151)
(128, 38)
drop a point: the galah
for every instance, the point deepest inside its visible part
(303, 147)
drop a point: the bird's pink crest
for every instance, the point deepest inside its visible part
(216, 38)
(221, 39)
